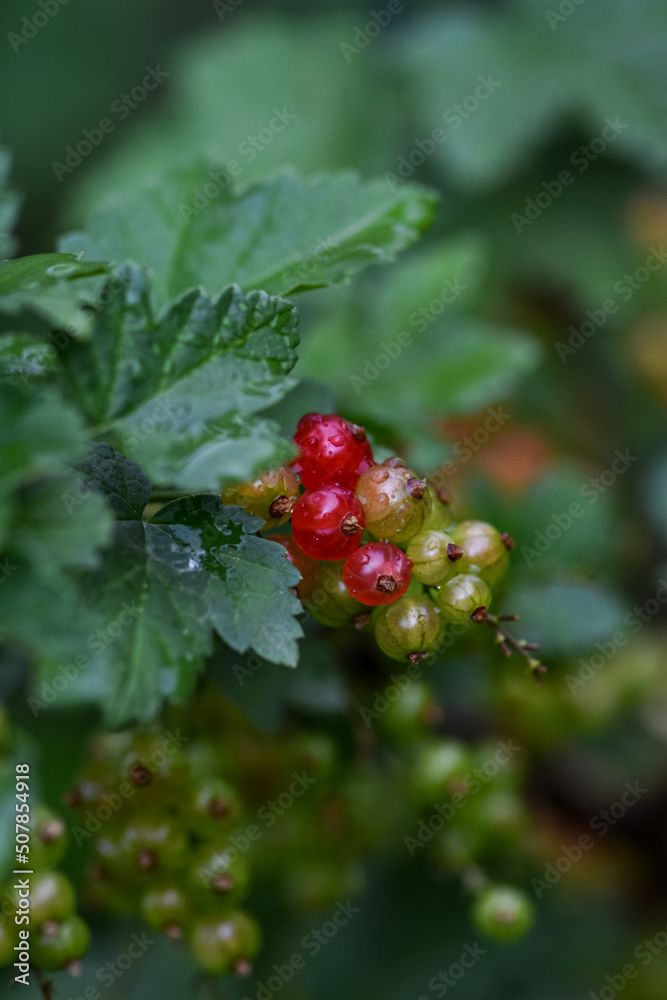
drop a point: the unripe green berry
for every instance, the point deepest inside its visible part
(48, 840)
(270, 496)
(331, 603)
(227, 944)
(51, 897)
(146, 845)
(459, 597)
(411, 714)
(58, 944)
(485, 553)
(440, 769)
(409, 628)
(314, 752)
(165, 909)
(212, 808)
(435, 556)
(396, 502)
(218, 873)
(440, 515)
(503, 913)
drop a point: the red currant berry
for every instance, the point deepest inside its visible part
(332, 451)
(308, 567)
(377, 573)
(328, 523)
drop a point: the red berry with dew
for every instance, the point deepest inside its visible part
(377, 573)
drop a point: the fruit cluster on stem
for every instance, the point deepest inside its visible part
(377, 543)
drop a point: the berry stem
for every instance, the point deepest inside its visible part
(45, 985)
(507, 642)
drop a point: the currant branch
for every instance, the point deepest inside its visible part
(507, 642)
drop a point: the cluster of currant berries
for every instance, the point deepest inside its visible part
(176, 839)
(160, 821)
(375, 536)
(58, 935)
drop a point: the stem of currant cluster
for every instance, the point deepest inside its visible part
(507, 642)
(45, 985)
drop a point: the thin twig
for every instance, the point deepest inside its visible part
(507, 642)
(45, 985)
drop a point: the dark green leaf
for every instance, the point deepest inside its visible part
(161, 589)
(187, 384)
(154, 633)
(249, 601)
(118, 479)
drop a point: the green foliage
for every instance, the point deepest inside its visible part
(155, 358)
(534, 72)
(176, 378)
(417, 342)
(282, 236)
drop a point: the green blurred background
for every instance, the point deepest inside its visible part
(536, 260)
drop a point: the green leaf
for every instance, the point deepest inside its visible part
(432, 284)
(154, 632)
(58, 523)
(45, 270)
(38, 433)
(472, 366)
(307, 397)
(249, 601)
(283, 236)
(446, 368)
(183, 389)
(162, 587)
(41, 614)
(499, 84)
(9, 205)
(46, 524)
(47, 290)
(23, 357)
(118, 479)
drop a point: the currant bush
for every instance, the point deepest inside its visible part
(374, 545)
